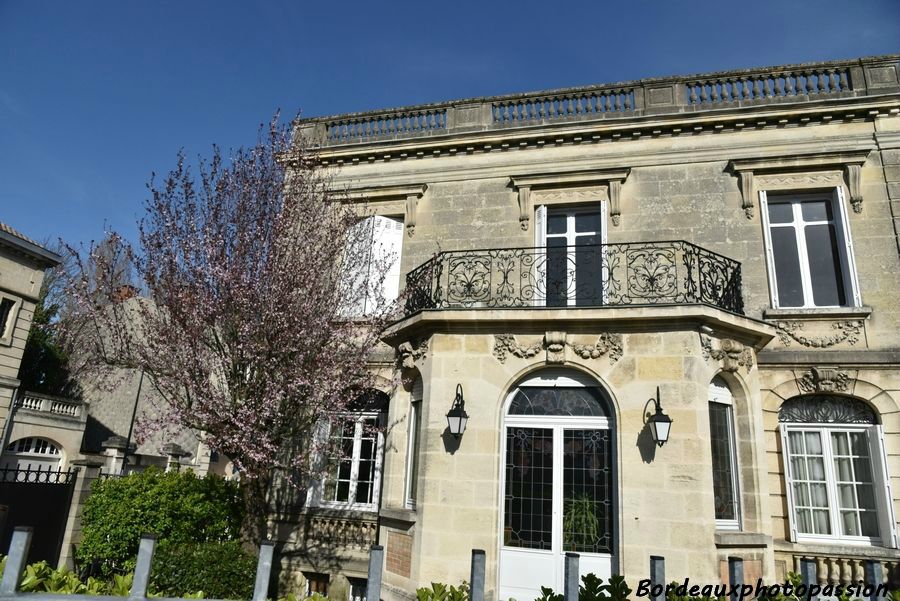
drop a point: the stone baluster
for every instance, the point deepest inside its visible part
(628, 100)
(693, 96)
(810, 85)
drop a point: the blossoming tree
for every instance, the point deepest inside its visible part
(246, 314)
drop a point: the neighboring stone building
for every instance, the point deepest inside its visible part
(22, 265)
(770, 328)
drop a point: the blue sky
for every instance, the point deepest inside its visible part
(96, 95)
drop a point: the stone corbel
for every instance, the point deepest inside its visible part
(410, 195)
(746, 181)
(526, 184)
(525, 206)
(807, 167)
(852, 175)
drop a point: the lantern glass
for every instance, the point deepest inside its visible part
(660, 429)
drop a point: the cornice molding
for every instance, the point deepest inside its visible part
(410, 193)
(848, 162)
(612, 179)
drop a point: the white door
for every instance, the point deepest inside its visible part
(557, 486)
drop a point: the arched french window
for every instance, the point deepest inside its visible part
(837, 480)
(558, 484)
(724, 455)
(32, 453)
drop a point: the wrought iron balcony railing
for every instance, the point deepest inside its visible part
(608, 275)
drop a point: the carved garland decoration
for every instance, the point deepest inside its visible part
(731, 353)
(555, 343)
(826, 409)
(846, 331)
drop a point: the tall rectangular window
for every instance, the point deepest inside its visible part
(412, 453)
(832, 483)
(375, 246)
(353, 477)
(724, 456)
(572, 263)
(809, 251)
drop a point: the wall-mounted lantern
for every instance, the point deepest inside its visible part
(457, 416)
(660, 423)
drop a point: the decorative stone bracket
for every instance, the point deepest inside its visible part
(731, 353)
(824, 379)
(411, 352)
(555, 345)
(612, 180)
(798, 172)
(408, 194)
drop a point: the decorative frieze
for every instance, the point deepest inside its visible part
(846, 331)
(824, 379)
(731, 353)
(555, 344)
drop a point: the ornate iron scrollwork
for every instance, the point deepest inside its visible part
(633, 274)
(826, 409)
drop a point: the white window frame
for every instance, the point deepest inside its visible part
(724, 397)
(541, 220)
(845, 247)
(881, 485)
(318, 490)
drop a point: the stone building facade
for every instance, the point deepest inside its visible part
(22, 265)
(727, 244)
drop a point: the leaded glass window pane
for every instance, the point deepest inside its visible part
(528, 503)
(587, 491)
(809, 489)
(558, 401)
(724, 492)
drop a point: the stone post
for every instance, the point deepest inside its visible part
(115, 447)
(174, 453)
(89, 472)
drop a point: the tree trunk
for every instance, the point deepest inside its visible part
(254, 529)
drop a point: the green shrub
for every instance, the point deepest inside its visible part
(220, 570)
(178, 507)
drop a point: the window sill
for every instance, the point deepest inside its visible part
(726, 539)
(407, 516)
(815, 313)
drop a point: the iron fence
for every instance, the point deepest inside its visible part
(602, 275)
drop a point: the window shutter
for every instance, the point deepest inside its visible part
(540, 226)
(847, 247)
(389, 244)
(767, 237)
(540, 263)
(788, 481)
(884, 499)
(356, 266)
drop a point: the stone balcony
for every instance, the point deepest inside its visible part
(787, 85)
(609, 275)
(51, 406)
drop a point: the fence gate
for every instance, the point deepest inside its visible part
(39, 498)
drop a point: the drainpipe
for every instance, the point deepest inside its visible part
(131, 424)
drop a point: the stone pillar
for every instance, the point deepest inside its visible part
(88, 472)
(115, 447)
(174, 453)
